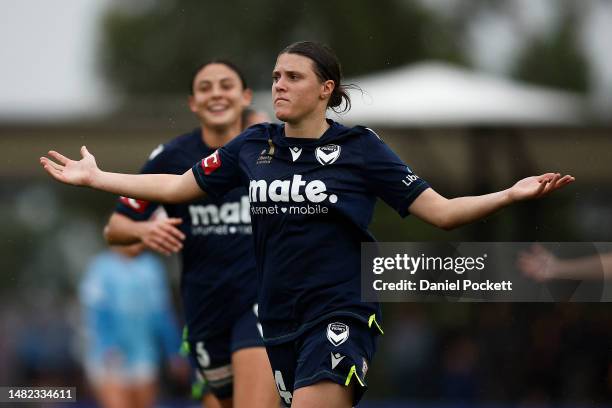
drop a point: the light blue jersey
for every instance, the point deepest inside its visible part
(128, 317)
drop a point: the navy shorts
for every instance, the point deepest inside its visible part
(213, 356)
(339, 350)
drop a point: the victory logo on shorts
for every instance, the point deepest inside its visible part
(327, 154)
(337, 333)
(211, 163)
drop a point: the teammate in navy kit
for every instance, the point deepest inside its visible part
(214, 236)
(312, 185)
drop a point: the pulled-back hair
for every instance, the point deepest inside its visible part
(221, 61)
(326, 67)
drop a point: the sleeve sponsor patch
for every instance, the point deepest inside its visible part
(211, 163)
(140, 206)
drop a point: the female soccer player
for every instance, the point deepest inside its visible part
(126, 325)
(218, 278)
(312, 184)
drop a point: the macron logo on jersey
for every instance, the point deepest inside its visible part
(294, 190)
(211, 163)
(336, 359)
(295, 152)
(140, 206)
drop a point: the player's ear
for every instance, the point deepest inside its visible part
(191, 103)
(247, 97)
(327, 88)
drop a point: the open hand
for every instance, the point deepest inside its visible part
(538, 263)
(65, 170)
(538, 186)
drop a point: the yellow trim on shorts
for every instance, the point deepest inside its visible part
(350, 375)
(373, 320)
(185, 349)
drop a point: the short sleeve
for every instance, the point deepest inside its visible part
(140, 210)
(220, 172)
(388, 177)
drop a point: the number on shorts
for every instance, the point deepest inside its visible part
(282, 390)
(202, 355)
(256, 312)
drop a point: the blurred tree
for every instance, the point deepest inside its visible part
(154, 49)
(556, 60)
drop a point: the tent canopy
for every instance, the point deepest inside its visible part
(430, 93)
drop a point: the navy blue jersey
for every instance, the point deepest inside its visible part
(218, 278)
(311, 203)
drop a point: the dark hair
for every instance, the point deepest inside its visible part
(221, 61)
(326, 67)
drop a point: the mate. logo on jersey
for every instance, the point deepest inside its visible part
(295, 152)
(140, 206)
(232, 217)
(231, 212)
(327, 154)
(337, 333)
(211, 163)
(295, 190)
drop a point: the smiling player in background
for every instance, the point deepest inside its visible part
(214, 238)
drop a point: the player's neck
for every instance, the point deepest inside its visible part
(311, 127)
(215, 137)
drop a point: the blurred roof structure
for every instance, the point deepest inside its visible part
(434, 94)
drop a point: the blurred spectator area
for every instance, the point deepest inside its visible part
(445, 156)
(455, 159)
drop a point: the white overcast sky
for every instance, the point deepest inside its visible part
(48, 50)
(48, 53)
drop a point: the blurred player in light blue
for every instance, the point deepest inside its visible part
(130, 326)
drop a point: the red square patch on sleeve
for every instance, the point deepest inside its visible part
(139, 206)
(211, 163)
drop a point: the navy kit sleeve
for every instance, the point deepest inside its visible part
(388, 177)
(140, 210)
(220, 172)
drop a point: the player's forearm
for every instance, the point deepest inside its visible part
(149, 187)
(121, 230)
(589, 267)
(464, 210)
(161, 188)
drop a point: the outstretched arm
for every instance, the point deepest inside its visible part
(452, 213)
(542, 265)
(164, 188)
